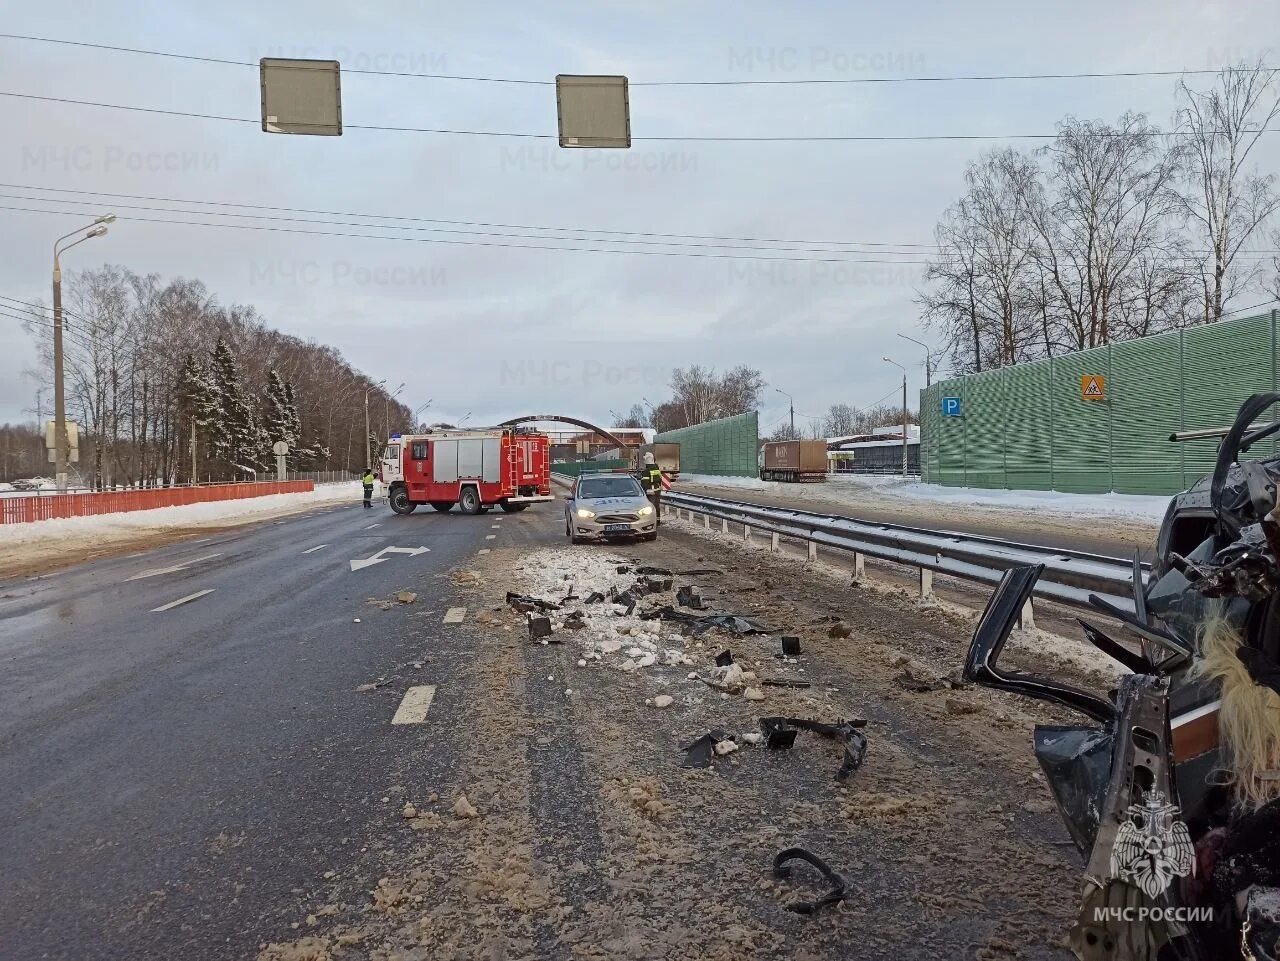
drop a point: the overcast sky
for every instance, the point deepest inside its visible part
(502, 331)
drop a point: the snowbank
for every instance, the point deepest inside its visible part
(1137, 506)
(104, 527)
(860, 490)
(746, 483)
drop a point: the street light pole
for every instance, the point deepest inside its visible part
(386, 417)
(904, 412)
(61, 446)
(792, 401)
(368, 455)
(928, 358)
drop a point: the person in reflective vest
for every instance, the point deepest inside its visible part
(367, 480)
(651, 478)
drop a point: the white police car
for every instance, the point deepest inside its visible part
(608, 505)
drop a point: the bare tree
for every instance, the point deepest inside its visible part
(985, 270)
(1107, 208)
(1224, 199)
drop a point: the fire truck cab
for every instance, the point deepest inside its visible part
(474, 469)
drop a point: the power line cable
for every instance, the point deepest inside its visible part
(479, 233)
(788, 81)
(462, 243)
(464, 223)
(804, 138)
(927, 249)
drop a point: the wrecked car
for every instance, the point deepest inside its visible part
(604, 506)
(1170, 789)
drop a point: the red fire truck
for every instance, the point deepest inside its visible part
(474, 469)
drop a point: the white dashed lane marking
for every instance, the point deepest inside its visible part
(172, 570)
(312, 550)
(370, 527)
(490, 537)
(483, 550)
(182, 600)
(415, 705)
(454, 615)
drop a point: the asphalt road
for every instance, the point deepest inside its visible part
(182, 746)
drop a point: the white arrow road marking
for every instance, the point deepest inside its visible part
(182, 600)
(454, 615)
(318, 547)
(415, 705)
(171, 570)
(360, 562)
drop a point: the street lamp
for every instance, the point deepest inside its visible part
(386, 417)
(793, 408)
(60, 445)
(417, 413)
(928, 358)
(368, 455)
(904, 411)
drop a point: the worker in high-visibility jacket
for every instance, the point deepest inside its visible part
(651, 479)
(366, 480)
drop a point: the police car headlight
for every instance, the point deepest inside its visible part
(584, 513)
(645, 511)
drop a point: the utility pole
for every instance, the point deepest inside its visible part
(928, 359)
(368, 455)
(792, 401)
(904, 411)
(193, 449)
(61, 446)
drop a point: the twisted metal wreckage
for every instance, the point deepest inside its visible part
(1172, 794)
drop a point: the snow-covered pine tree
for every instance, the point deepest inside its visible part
(194, 399)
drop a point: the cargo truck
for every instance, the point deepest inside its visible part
(666, 456)
(794, 460)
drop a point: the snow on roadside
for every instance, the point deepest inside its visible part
(746, 483)
(100, 527)
(858, 490)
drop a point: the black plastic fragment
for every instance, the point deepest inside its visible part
(702, 752)
(595, 597)
(847, 732)
(525, 603)
(690, 596)
(782, 871)
(785, 682)
(647, 569)
(698, 624)
(777, 735)
(724, 658)
(790, 645)
(539, 627)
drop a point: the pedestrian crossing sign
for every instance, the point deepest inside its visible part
(1093, 387)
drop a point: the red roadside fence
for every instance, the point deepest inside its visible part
(24, 510)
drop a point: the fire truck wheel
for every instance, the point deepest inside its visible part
(400, 502)
(511, 508)
(469, 500)
(442, 506)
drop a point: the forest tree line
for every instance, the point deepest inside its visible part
(147, 359)
(699, 394)
(1111, 231)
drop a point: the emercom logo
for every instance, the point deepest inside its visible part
(1152, 847)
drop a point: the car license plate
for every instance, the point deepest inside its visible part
(617, 528)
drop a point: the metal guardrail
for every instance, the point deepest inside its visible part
(1069, 576)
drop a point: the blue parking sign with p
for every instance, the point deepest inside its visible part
(951, 407)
